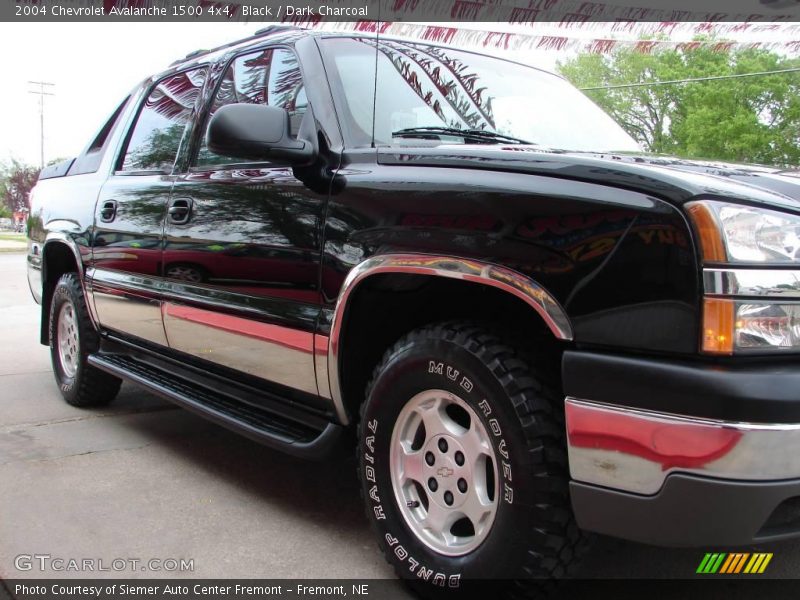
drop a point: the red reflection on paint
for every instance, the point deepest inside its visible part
(321, 344)
(671, 444)
(274, 334)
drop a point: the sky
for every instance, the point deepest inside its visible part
(95, 65)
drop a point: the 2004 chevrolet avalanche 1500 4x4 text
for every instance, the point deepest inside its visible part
(533, 328)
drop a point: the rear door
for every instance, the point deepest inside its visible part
(129, 215)
(242, 249)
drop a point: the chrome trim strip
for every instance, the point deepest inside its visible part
(88, 291)
(321, 343)
(251, 341)
(635, 450)
(475, 271)
(58, 236)
(130, 314)
(124, 280)
(189, 292)
(128, 303)
(273, 352)
(777, 283)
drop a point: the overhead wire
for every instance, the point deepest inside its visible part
(689, 80)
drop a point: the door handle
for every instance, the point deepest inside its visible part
(180, 210)
(108, 211)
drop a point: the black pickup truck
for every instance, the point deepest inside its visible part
(533, 329)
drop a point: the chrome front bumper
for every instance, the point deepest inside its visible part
(635, 450)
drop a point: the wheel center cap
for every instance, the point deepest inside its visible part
(444, 471)
(447, 471)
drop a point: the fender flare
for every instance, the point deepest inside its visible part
(52, 238)
(475, 271)
(56, 237)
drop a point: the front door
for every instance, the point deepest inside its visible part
(242, 250)
(129, 219)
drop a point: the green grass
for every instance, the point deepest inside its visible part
(8, 236)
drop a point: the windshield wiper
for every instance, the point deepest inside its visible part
(480, 135)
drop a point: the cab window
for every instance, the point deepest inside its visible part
(154, 141)
(271, 76)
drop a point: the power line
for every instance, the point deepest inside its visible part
(41, 93)
(692, 80)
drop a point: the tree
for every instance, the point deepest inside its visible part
(748, 119)
(16, 182)
(158, 151)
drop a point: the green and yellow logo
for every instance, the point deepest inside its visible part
(734, 563)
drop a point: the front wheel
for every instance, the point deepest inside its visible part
(463, 464)
(72, 339)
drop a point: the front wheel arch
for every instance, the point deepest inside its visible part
(415, 290)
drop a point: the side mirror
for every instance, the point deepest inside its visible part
(257, 132)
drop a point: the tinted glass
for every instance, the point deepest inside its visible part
(269, 76)
(89, 160)
(161, 123)
(429, 86)
(102, 135)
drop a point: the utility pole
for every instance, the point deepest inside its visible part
(41, 93)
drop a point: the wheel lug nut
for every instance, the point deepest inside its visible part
(448, 498)
(433, 485)
(429, 458)
(443, 445)
(462, 485)
(460, 458)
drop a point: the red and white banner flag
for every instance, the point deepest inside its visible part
(483, 39)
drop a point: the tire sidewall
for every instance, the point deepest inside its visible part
(440, 364)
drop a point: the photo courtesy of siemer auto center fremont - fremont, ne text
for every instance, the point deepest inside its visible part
(399, 299)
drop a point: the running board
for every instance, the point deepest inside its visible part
(258, 424)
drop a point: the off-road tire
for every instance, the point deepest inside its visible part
(88, 386)
(534, 539)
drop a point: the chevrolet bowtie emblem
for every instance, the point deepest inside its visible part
(444, 472)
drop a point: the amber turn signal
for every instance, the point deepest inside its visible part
(712, 245)
(718, 326)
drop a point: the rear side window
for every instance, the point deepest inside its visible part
(101, 137)
(153, 144)
(90, 159)
(270, 76)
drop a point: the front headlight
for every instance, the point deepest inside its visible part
(752, 293)
(767, 325)
(735, 233)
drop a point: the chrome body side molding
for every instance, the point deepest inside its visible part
(128, 303)
(636, 450)
(503, 278)
(273, 352)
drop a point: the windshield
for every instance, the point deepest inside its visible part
(427, 87)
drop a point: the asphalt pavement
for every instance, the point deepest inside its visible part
(147, 480)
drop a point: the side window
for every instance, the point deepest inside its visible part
(270, 76)
(156, 136)
(100, 139)
(89, 160)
